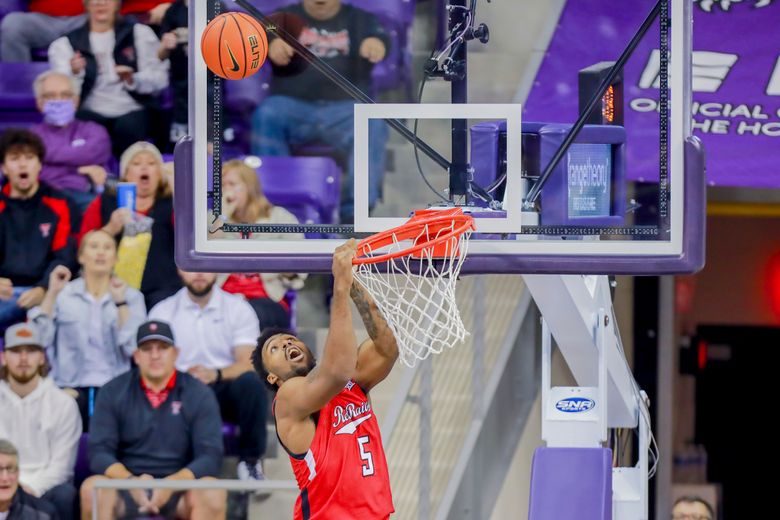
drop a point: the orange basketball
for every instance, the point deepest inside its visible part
(234, 45)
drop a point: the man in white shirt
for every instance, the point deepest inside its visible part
(41, 420)
(216, 333)
(115, 63)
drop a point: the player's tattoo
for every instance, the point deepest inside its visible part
(364, 308)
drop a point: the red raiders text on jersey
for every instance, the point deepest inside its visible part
(344, 474)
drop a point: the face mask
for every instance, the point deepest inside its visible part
(59, 112)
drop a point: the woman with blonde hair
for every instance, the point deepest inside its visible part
(89, 323)
(144, 237)
(245, 203)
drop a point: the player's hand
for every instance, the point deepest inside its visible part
(31, 297)
(280, 53)
(342, 265)
(156, 14)
(125, 74)
(6, 289)
(96, 173)
(169, 41)
(59, 278)
(119, 217)
(78, 63)
(372, 49)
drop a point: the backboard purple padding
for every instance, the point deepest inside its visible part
(571, 484)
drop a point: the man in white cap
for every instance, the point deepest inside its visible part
(41, 420)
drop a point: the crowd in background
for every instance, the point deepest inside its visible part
(104, 338)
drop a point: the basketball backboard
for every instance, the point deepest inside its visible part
(626, 194)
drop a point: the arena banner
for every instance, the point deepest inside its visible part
(736, 83)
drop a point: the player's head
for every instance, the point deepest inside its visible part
(692, 508)
(280, 356)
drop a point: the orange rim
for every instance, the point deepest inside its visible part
(435, 220)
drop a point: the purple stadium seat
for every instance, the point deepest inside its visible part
(308, 187)
(9, 6)
(17, 101)
(81, 470)
(571, 484)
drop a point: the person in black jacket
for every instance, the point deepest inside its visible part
(142, 165)
(15, 502)
(304, 107)
(115, 62)
(37, 225)
(155, 422)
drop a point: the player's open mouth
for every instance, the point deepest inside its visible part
(24, 176)
(294, 354)
(144, 177)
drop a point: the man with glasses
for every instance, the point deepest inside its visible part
(77, 152)
(15, 502)
(41, 420)
(155, 422)
(692, 508)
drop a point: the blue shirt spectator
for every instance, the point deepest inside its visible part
(89, 323)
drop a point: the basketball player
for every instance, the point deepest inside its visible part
(322, 411)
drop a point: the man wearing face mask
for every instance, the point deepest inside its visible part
(76, 151)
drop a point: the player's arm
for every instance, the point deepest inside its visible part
(298, 398)
(376, 355)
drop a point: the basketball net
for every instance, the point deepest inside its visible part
(411, 272)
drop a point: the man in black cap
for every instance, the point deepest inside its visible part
(155, 422)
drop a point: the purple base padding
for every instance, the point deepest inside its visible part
(571, 484)
(690, 261)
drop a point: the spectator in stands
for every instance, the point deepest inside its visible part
(174, 47)
(115, 62)
(146, 265)
(244, 203)
(90, 322)
(15, 502)
(77, 152)
(36, 224)
(44, 22)
(306, 107)
(149, 12)
(155, 422)
(692, 508)
(40, 419)
(216, 334)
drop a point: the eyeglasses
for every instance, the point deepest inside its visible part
(11, 470)
(691, 516)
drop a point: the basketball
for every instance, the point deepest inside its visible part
(234, 45)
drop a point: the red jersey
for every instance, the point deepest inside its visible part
(344, 474)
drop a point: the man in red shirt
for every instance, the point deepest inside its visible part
(322, 411)
(47, 20)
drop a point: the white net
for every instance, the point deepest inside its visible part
(416, 294)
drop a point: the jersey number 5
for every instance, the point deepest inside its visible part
(368, 467)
